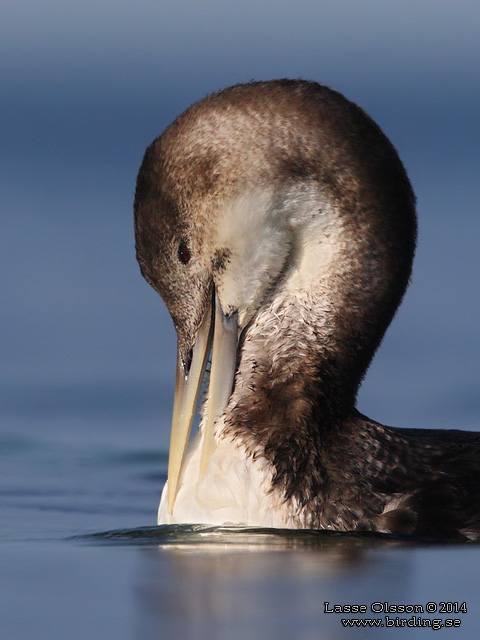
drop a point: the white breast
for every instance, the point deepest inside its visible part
(233, 489)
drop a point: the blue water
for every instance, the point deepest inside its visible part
(88, 351)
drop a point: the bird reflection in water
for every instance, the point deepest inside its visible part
(233, 583)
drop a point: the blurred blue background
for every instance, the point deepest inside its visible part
(88, 349)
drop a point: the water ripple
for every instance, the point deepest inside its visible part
(237, 537)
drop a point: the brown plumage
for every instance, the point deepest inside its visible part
(300, 224)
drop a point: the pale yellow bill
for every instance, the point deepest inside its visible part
(224, 359)
(222, 373)
(187, 389)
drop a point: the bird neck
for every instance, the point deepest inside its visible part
(309, 344)
(301, 363)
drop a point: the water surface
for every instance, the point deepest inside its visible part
(69, 571)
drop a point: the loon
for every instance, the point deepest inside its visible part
(278, 224)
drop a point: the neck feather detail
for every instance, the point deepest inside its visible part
(307, 348)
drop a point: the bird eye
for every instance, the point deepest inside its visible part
(184, 254)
